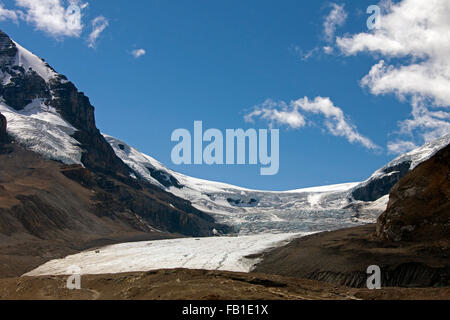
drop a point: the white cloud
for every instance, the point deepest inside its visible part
(58, 18)
(430, 123)
(328, 49)
(6, 14)
(400, 146)
(335, 18)
(415, 40)
(290, 115)
(277, 113)
(99, 24)
(53, 17)
(138, 53)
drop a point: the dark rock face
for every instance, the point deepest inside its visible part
(8, 49)
(416, 275)
(243, 202)
(3, 134)
(165, 179)
(165, 212)
(419, 205)
(378, 188)
(23, 87)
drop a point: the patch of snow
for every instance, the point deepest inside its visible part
(28, 60)
(324, 189)
(380, 204)
(314, 199)
(42, 130)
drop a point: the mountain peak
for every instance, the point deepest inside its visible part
(47, 114)
(15, 59)
(8, 50)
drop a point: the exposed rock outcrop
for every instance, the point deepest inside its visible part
(384, 179)
(410, 243)
(3, 133)
(378, 188)
(8, 49)
(419, 205)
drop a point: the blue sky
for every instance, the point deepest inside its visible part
(215, 61)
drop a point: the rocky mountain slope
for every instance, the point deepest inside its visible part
(419, 205)
(3, 133)
(410, 243)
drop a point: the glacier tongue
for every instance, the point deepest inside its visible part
(220, 253)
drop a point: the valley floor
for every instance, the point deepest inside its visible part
(339, 257)
(183, 284)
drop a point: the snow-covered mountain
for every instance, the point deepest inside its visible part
(50, 116)
(302, 210)
(32, 121)
(46, 113)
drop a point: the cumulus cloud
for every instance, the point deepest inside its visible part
(293, 116)
(99, 25)
(6, 14)
(53, 17)
(334, 19)
(58, 18)
(277, 114)
(414, 43)
(138, 53)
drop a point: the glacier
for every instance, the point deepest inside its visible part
(214, 253)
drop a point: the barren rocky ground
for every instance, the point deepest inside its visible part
(182, 284)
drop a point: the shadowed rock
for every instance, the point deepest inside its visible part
(419, 205)
(3, 134)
